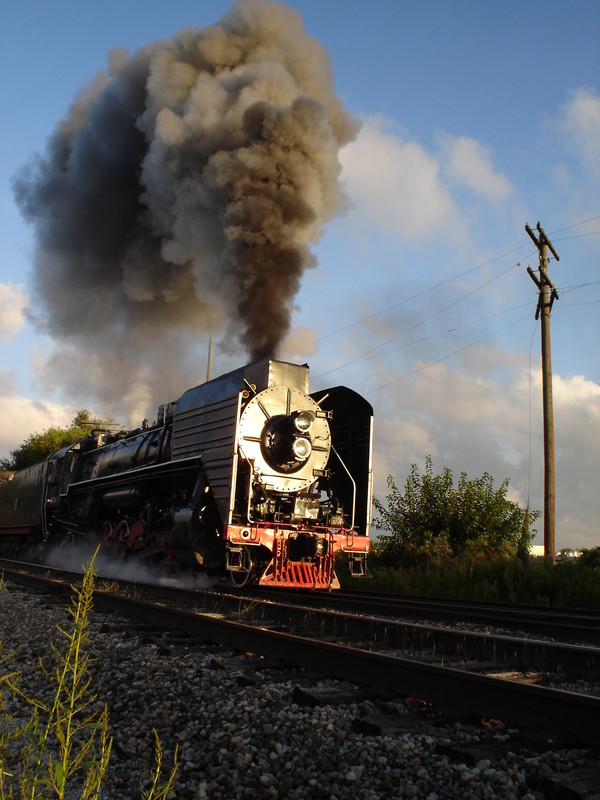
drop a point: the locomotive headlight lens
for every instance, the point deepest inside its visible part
(302, 448)
(304, 421)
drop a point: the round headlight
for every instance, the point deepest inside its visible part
(302, 448)
(303, 421)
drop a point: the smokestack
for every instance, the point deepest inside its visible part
(210, 358)
(182, 194)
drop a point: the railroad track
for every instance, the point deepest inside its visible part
(562, 624)
(575, 625)
(487, 651)
(252, 625)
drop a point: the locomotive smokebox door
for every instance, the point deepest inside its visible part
(285, 436)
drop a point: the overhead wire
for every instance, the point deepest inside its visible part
(460, 275)
(442, 333)
(416, 296)
(575, 225)
(377, 350)
(373, 351)
(578, 236)
(446, 357)
(578, 286)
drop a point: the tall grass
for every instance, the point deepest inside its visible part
(59, 747)
(569, 583)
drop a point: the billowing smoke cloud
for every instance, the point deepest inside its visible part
(183, 192)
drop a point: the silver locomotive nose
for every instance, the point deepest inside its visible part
(286, 438)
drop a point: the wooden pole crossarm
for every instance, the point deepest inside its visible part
(547, 281)
(533, 277)
(545, 240)
(532, 235)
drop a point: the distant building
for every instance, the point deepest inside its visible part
(567, 553)
(537, 550)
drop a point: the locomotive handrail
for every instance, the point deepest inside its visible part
(250, 481)
(44, 502)
(166, 466)
(353, 485)
(370, 500)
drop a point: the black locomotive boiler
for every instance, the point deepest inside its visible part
(247, 474)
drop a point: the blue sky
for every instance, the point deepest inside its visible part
(476, 118)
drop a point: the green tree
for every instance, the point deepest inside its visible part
(432, 519)
(38, 446)
(591, 558)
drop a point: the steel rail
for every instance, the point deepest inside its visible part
(579, 625)
(573, 625)
(494, 652)
(448, 690)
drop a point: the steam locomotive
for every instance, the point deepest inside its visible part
(247, 475)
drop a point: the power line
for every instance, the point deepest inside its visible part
(576, 224)
(377, 350)
(421, 293)
(371, 354)
(578, 236)
(446, 357)
(457, 277)
(577, 305)
(442, 333)
(579, 286)
(372, 351)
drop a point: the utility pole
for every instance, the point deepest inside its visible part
(547, 296)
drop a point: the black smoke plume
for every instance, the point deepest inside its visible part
(181, 194)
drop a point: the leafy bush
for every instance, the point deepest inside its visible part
(38, 446)
(431, 520)
(467, 542)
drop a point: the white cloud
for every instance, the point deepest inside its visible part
(13, 301)
(471, 421)
(577, 456)
(469, 162)
(22, 416)
(395, 182)
(574, 392)
(580, 121)
(400, 187)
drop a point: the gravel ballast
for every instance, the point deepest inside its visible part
(241, 733)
